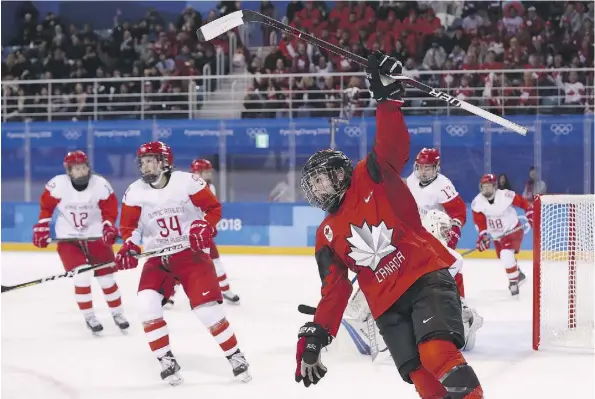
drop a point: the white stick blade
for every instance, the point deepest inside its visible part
(219, 26)
(494, 118)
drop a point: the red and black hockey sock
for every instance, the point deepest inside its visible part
(426, 385)
(446, 363)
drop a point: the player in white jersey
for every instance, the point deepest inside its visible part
(86, 208)
(439, 224)
(494, 216)
(433, 190)
(204, 169)
(162, 208)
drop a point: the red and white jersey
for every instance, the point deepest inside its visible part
(439, 194)
(81, 214)
(499, 216)
(162, 217)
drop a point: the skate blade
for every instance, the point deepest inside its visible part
(231, 302)
(245, 376)
(174, 379)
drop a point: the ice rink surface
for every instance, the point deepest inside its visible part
(47, 351)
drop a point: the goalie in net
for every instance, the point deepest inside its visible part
(357, 315)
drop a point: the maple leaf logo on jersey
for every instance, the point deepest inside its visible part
(370, 245)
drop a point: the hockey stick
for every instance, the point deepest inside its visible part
(87, 268)
(237, 18)
(56, 240)
(311, 310)
(521, 227)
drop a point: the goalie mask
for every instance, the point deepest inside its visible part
(77, 167)
(488, 185)
(326, 176)
(438, 224)
(427, 165)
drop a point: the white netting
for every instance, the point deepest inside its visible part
(564, 295)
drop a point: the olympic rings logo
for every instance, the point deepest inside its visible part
(254, 131)
(353, 131)
(163, 132)
(72, 134)
(561, 129)
(457, 130)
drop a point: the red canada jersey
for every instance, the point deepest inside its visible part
(377, 231)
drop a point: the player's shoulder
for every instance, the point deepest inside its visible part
(505, 195)
(412, 180)
(442, 181)
(324, 232)
(58, 183)
(135, 192)
(478, 202)
(190, 181)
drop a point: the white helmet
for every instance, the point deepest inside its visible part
(438, 224)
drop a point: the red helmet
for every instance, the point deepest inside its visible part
(428, 156)
(200, 165)
(488, 179)
(159, 149)
(75, 157)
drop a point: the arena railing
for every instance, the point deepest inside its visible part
(287, 95)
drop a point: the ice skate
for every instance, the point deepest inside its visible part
(472, 322)
(167, 303)
(231, 297)
(240, 366)
(120, 321)
(513, 287)
(93, 324)
(170, 369)
(522, 278)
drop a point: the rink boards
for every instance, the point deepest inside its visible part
(246, 228)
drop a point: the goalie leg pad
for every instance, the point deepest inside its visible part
(397, 332)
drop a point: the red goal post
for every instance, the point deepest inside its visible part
(563, 271)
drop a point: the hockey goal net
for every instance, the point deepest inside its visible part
(563, 271)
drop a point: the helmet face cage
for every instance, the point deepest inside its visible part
(425, 174)
(325, 178)
(488, 185)
(427, 157)
(72, 162)
(163, 157)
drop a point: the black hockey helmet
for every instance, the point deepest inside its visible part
(325, 178)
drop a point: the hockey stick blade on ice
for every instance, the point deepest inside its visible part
(87, 268)
(231, 21)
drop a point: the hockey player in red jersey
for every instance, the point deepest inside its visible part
(494, 216)
(86, 208)
(373, 228)
(433, 190)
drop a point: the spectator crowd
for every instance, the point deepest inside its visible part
(430, 37)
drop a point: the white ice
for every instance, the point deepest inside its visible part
(47, 351)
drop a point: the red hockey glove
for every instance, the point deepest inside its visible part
(454, 235)
(41, 233)
(529, 216)
(110, 233)
(125, 259)
(312, 338)
(200, 235)
(483, 241)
